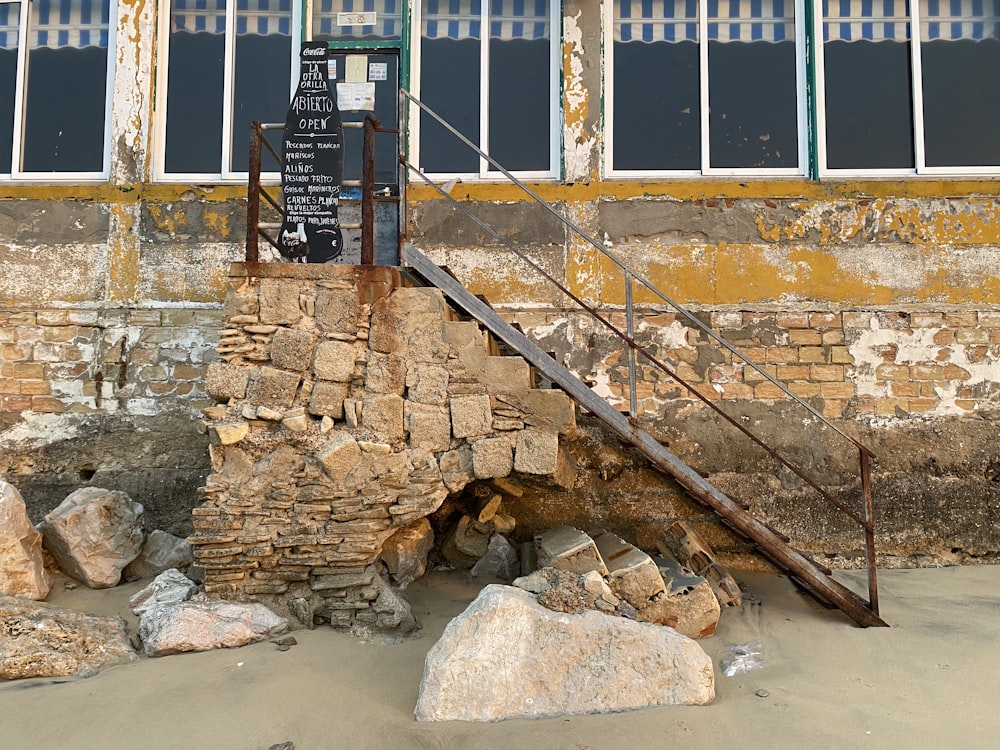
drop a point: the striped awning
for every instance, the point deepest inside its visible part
(388, 19)
(58, 23)
(261, 17)
(773, 20)
(507, 19)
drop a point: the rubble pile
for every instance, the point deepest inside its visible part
(349, 409)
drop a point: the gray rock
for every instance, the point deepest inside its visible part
(22, 572)
(160, 552)
(500, 560)
(392, 611)
(94, 534)
(508, 657)
(170, 587)
(205, 625)
(37, 640)
(535, 583)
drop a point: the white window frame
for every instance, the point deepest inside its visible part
(917, 97)
(18, 174)
(227, 175)
(486, 172)
(707, 170)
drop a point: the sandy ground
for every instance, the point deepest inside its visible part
(930, 681)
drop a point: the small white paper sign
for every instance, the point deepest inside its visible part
(356, 96)
(356, 19)
(356, 69)
(378, 71)
(331, 69)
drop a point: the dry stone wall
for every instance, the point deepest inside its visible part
(349, 408)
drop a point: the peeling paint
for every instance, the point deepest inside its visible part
(578, 150)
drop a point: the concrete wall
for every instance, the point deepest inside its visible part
(878, 301)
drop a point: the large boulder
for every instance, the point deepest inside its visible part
(204, 624)
(94, 534)
(506, 657)
(160, 552)
(37, 640)
(22, 572)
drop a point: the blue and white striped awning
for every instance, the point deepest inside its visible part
(58, 23)
(262, 17)
(773, 20)
(507, 20)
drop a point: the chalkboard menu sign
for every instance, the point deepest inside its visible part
(312, 165)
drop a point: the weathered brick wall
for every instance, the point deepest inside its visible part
(856, 365)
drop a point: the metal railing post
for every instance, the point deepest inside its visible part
(866, 489)
(633, 406)
(368, 191)
(253, 194)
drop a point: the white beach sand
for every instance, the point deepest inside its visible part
(932, 680)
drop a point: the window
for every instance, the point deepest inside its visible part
(490, 68)
(713, 87)
(228, 62)
(55, 88)
(893, 101)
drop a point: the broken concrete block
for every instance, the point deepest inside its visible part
(471, 416)
(292, 349)
(687, 547)
(93, 534)
(224, 381)
(327, 399)
(537, 451)
(334, 361)
(689, 604)
(22, 571)
(405, 552)
(634, 576)
(569, 549)
(492, 457)
(340, 456)
(506, 656)
(273, 388)
(383, 415)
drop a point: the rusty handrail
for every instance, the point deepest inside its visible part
(866, 523)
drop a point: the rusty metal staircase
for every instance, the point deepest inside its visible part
(817, 580)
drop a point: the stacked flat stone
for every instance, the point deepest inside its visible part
(349, 408)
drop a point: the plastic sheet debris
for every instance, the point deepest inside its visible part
(744, 657)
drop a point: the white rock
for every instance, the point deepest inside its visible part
(170, 587)
(43, 641)
(160, 552)
(205, 625)
(22, 572)
(506, 656)
(94, 534)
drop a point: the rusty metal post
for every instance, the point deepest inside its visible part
(633, 408)
(866, 488)
(368, 192)
(253, 193)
